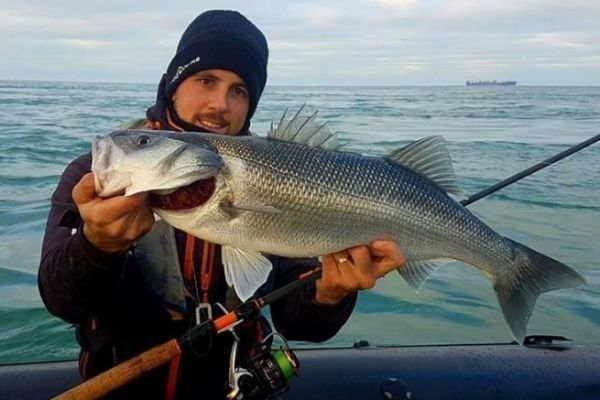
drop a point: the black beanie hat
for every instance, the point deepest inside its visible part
(217, 39)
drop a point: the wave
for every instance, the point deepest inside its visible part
(10, 276)
(29, 335)
(546, 204)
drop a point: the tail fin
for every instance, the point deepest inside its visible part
(534, 274)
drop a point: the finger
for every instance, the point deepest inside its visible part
(341, 257)
(342, 279)
(130, 203)
(348, 274)
(361, 258)
(389, 256)
(137, 228)
(329, 290)
(331, 273)
(382, 247)
(364, 270)
(124, 206)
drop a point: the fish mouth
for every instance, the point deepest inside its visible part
(191, 196)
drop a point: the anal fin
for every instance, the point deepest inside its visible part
(416, 273)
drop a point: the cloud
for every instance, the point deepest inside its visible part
(481, 9)
(92, 45)
(353, 42)
(557, 40)
(397, 4)
(12, 21)
(324, 16)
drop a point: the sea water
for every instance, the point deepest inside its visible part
(492, 133)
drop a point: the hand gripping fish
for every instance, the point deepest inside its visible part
(297, 193)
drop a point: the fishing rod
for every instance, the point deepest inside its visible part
(518, 176)
(127, 371)
(133, 368)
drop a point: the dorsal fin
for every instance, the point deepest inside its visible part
(305, 130)
(429, 157)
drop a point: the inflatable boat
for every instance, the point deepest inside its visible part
(545, 367)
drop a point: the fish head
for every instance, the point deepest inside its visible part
(131, 162)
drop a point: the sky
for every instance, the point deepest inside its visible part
(353, 42)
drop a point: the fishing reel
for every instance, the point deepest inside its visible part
(265, 374)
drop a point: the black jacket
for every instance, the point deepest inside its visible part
(117, 316)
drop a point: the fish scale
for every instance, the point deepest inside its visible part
(304, 175)
(291, 199)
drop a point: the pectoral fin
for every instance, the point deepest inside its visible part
(246, 271)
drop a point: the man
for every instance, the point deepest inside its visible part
(92, 276)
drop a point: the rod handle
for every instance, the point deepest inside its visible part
(114, 378)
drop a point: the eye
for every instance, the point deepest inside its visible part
(205, 81)
(240, 91)
(143, 140)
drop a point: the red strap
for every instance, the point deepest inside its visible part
(83, 365)
(188, 264)
(206, 267)
(206, 272)
(173, 373)
(208, 253)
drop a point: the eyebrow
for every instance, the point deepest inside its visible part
(204, 74)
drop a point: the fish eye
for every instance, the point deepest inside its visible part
(143, 140)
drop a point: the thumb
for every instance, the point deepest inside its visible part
(386, 256)
(381, 248)
(85, 190)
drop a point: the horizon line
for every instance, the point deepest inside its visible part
(302, 85)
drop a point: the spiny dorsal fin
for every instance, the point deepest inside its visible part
(429, 157)
(305, 130)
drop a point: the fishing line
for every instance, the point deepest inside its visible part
(529, 171)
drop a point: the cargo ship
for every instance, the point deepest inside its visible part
(491, 83)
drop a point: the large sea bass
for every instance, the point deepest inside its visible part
(298, 194)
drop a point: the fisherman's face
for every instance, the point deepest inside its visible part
(216, 100)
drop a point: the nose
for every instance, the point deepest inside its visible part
(218, 100)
